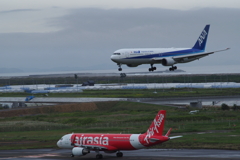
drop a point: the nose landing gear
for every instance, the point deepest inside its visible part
(119, 69)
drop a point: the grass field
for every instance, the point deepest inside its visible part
(210, 128)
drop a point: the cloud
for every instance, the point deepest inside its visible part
(89, 36)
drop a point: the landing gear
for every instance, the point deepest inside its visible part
(72, 155)
(119, 69)
(152, 68)
(99, 156)
(173, 68)
(119, 154)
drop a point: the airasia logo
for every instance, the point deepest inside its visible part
(83, 140)
(156, 125)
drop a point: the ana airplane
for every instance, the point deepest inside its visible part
(165, 56)
(82, 143)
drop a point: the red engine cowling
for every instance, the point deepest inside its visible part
(168, 62)
(78, 151)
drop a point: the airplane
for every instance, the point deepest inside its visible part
(35, 91)
(82, 143)
(165, 56)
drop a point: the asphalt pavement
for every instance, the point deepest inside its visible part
(143, 154)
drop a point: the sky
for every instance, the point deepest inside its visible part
(73, 35)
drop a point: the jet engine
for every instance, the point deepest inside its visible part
(78, 151)
(132, 65)
(168, 62)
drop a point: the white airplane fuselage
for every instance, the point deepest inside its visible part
(137, 56)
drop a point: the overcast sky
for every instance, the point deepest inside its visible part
(81, 35)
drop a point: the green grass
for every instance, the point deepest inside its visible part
(219, 129)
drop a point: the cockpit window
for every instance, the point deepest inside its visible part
(116, 53)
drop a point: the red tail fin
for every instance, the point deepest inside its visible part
(157, 126)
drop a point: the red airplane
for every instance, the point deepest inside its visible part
(83, 143)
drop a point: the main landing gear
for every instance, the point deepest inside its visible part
(152, 68)
(173, 68)
(119, 154)
(98, 156)
(119, 69)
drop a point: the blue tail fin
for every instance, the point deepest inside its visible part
(202, 40)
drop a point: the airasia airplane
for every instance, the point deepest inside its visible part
(82, 143)
(134, 57)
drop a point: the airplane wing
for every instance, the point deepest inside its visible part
(195, 56)
(98, 147)
(157, 59)
(189, 56)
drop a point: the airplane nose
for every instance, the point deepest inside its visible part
(113, 58)
(58, 144)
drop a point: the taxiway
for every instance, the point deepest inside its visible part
(144, 154)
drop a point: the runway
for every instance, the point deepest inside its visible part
(144, 154)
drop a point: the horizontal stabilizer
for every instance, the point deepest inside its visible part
(175, 137)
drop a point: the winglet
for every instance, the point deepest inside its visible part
(202, 39)
(168, 133)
